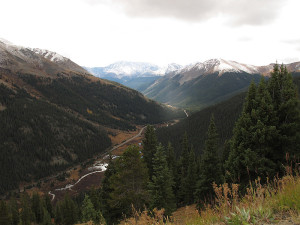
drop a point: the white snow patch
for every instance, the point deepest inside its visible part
(53, 56)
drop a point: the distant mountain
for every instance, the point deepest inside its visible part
(136, 75)
(202, 84)
(53, 113)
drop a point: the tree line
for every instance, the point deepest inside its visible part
(264, 137)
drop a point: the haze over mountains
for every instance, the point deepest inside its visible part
(194, 86)
(136, 75)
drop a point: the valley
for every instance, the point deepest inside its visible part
(60, 125)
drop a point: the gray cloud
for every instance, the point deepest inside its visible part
(239, 12)
(245, 39)
(292, 41)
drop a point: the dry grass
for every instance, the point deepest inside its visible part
(276, 202)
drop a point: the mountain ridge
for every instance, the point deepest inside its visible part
(201, 84)
(55, 114)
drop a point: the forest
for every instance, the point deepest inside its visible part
(265, 138)
(33, 130)
(62, 121)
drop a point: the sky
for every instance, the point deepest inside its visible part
(100, 32)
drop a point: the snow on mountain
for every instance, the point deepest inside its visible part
(34, 60)
(123, 69)
(52, 56)
(221, 66)
(212, 66)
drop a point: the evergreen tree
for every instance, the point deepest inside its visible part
(149, 148)
(26, 213)
(129, 183)
(185, 154)
(46, 217)
(110, 214)
(37, 207)
(183, 187)
(4, 214)
(14, 211)
(286, 104)
(66, 211)
(88, 210)
(191, 178)
(210, 170)
(236, 168)
(48, 205)
(251, 145)
(171, 160)
(58, 214)
(95, 197)
(160, 187)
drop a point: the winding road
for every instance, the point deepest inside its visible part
(69, 186)
(187, 115)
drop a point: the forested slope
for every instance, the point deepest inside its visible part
(196, 125)
(49, 123)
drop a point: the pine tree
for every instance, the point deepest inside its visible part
(171, 160)
(286, 104)
(88, 210)
(129, 183)
(149, 148)
(46, 217)
(66, 211)
(236, 167)
(210, 170)
(110, 214)
(4, 214)
(14, 210)
(48, 205)
(183, 171)
(256, 135)
(191, 178)
(185, 154)
(161, 191)
(37, 207)
(26, 213)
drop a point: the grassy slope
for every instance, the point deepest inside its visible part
(276, 203)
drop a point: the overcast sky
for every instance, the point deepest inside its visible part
(100, 32)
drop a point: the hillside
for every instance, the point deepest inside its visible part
(225, 113)
(54, 114)
(202, 84)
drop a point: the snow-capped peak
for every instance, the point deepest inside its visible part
(172, 67)
(5, 41)
(53, 56)
(135, 69)
(219, 65)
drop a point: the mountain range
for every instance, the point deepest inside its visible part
(202, 84)
(136, 75)
(194, 86)
(53, 113)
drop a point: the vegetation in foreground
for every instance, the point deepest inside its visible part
(275, 202)
(152, 180)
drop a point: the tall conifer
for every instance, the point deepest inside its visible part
(210, 170)
(149, 148)
(161, 190)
